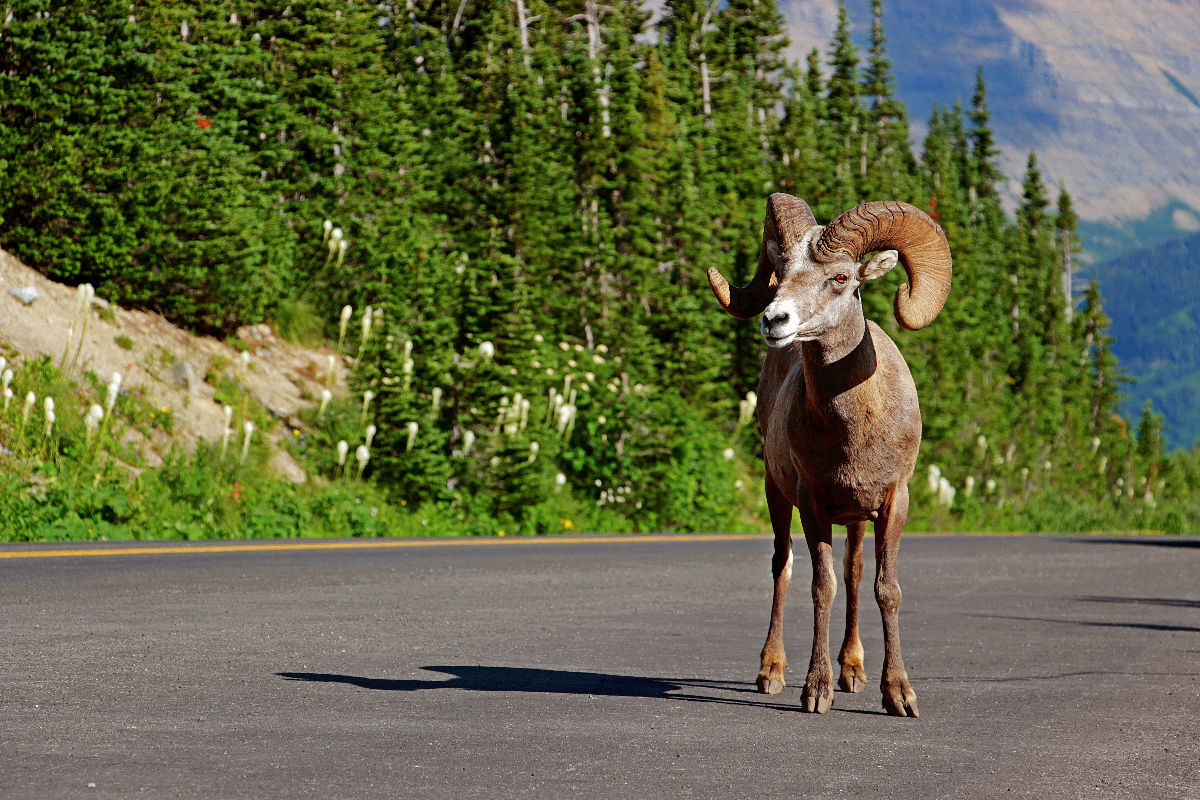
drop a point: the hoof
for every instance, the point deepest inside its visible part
(771, 682)
(899, 699)
(853, 678)
(818, 694)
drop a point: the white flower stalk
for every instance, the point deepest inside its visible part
(8, 396)
(91, 421)
(368, 396)
(436, 399)
(746, 408)
(1009, 453)
(247, 433)
(1103, 465)
(226, 435)
(366, 327)
(228, 410)
(342, 449)
(524, 415)
(560, 480)
(362, 455)
(990, 485)
(468, 442)
(331, 373)
(50, 418)
(407, 369)
(533, 452)
(494, 462)
(336, 235)
(333, 246)
(408, 349)
(1095, 444)
(343, 323)
(369, 435)
(6, 378)
(341, 251)
(945, 493)
(487, 351)
(727, 454)
(67, 347)
(981, 443)
(3, 364)
(1025, 473)
(564, 417)
(326, 227)
(935, 474)
(245, 357)
(113, 390)
(412, 436)
(969, 485)
(30, 402)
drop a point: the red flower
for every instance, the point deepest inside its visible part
(204, 123)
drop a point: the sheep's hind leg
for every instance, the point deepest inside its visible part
(853, 676)
(818, 686)
(899, 699)
(774, 660)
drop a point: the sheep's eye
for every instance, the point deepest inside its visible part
(841, 278)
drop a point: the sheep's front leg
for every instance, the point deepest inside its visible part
(853, 676)
(774, 661)
(898, 696)
(818, 686)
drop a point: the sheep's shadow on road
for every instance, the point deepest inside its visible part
(555, 681)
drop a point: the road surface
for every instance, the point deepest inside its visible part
(1046, 667)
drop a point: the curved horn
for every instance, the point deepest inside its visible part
(787, 219)
(908, 230)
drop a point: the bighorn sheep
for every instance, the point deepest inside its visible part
(839, 415)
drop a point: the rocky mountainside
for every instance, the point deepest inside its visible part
(1106, 91)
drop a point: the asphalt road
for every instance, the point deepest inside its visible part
(1045, 667)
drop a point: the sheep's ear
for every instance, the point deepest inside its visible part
(773, 253)
(879, 265)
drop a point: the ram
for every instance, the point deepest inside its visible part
(839, 416)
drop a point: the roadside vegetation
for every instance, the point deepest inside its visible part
(502, 230)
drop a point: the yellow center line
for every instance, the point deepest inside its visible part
(354, 544)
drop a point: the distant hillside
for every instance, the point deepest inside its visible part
(1157, 322)
(1105, 90)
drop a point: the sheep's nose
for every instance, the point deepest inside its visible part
(776, 320)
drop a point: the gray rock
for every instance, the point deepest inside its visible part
(183, 375)
(26, 294)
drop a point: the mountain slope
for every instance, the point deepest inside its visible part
(1105, 90)
(1158, 324)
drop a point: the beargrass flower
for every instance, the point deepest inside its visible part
(369, 434)
(487, 351)
(362, 455)
(533, 451)
(228, 410)
(326, 226)
(935, 474)
(6, 378)
(945, 493)
(91, 421)
(468, 442)
(342, 449)
(412, 435)
(49, 422)
(110, 396)
(341, 251)
(226, 434)
(437, 399)
(366, 327)
(335, 235)
(343, 322)
(1103, 464)
(981, 443)
(368, 396)
(8, 396)
(969, 485)
(727, 454)
(48, 405)
(990, 485)
(1095, 444)
(248, 431)
(3, 364)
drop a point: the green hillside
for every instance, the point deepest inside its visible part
(518, 201)
(1160, 324)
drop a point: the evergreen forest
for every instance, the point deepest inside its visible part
(517, 200)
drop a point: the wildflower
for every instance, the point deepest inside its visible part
(91, 421)
(3, 364)
(487, 351)
(326, 226)
(342, 449)
(5, 379)
(603, 348)
(248, 430)
(1095, 444)
(341, 254)
(739, 485)
(533, 451)
(225, 435)
(245, 357)
(362, 455)
(468, 442)
(564, 346)
(597, 358)
(560, 480)
(727, 454)
(368, 396)
(537, 337)
(746, 408)
(600, 420)
(412, 435)
(114, 388)
(366, 327)
(935, 474)
(48, 405)
(228, 415)
(331, 375)
(343, 322)
(1103, 463)
(335, 235)
(49, 422)
(945, 493)
(437, 399)
(969, 486)
(990, 485)
(494, 462)
(370, 434)
(8, 396)
(408, 348)
(981, 443)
